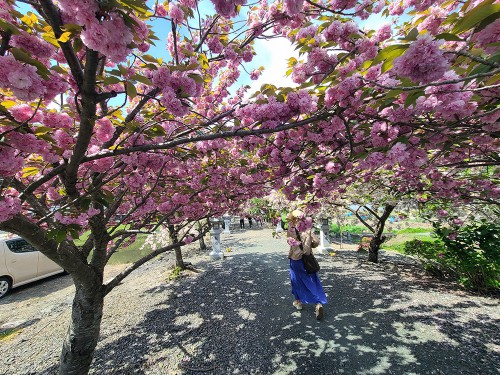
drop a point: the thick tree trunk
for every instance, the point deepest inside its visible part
(378, 237)
(375, 243)
(83, 332)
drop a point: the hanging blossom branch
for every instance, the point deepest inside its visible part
(227, 134)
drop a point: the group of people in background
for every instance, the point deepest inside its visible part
(258, 221)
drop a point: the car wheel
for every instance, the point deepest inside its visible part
(5, 285)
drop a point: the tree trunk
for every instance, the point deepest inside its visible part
(83, 332)
(203, 245)
(179, 262)
(378, 237)
(375, 243)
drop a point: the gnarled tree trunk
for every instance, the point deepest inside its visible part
(378, 237)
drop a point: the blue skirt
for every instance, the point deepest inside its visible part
(305, 287)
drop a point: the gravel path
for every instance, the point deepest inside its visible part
(235, 317)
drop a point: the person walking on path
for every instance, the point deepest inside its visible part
(249, 221)
(306, 288)
(242, 222)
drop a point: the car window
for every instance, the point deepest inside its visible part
(19, 246)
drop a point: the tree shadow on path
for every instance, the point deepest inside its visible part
(237, 318)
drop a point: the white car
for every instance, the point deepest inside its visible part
(21, 263)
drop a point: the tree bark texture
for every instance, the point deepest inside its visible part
(83, 331)
(179, 262)
(378, 237)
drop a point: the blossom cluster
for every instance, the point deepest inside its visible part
(22, 79)
(423, 62)
(175, 86)
(109, 34)
(10, 204)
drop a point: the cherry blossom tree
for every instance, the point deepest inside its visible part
(94, 127)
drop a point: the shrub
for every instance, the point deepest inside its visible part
(475, 250)
(469, 254)
(432, 255)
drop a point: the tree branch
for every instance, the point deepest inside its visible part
(118, 278)
(226, 134)
(87, 121)
(53, 18)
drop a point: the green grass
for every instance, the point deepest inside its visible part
(353, 229)
(176, 273)
(131, 253)
(9, 333)
(397, 243)
(414, 230)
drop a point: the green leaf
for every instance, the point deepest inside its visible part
(64, 37)
(149, 58)
(475, 16)
(412, 97)
(58, 69)
(386, 66)
(123, 70)
(7, 26)
(131, 90)
(487, 21)
(196, 77)
(39, 130)
(137, 5)
(71, 27)
(20, 55)
(30, 171)
(50, 38)
(412, 35)
(157, 131)
(202, 59)
(390, 53)
(110, 80)
(8, 104)
(183, 68)
(449, 37)
(142, 79)
(60, 236)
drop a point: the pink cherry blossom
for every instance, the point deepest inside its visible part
(10, 204)
(175, 13)
(293, 7)
(22, 79)
(423, 62)
(10, 161)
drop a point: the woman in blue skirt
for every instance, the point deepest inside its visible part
(306, 287)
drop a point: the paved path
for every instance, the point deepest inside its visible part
(236, 317)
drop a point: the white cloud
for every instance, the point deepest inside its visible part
(273, 55)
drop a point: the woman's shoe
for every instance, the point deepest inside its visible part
(319, 311)
(297, 304)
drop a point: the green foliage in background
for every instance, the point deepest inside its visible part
(470, 254)
(353, 229)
